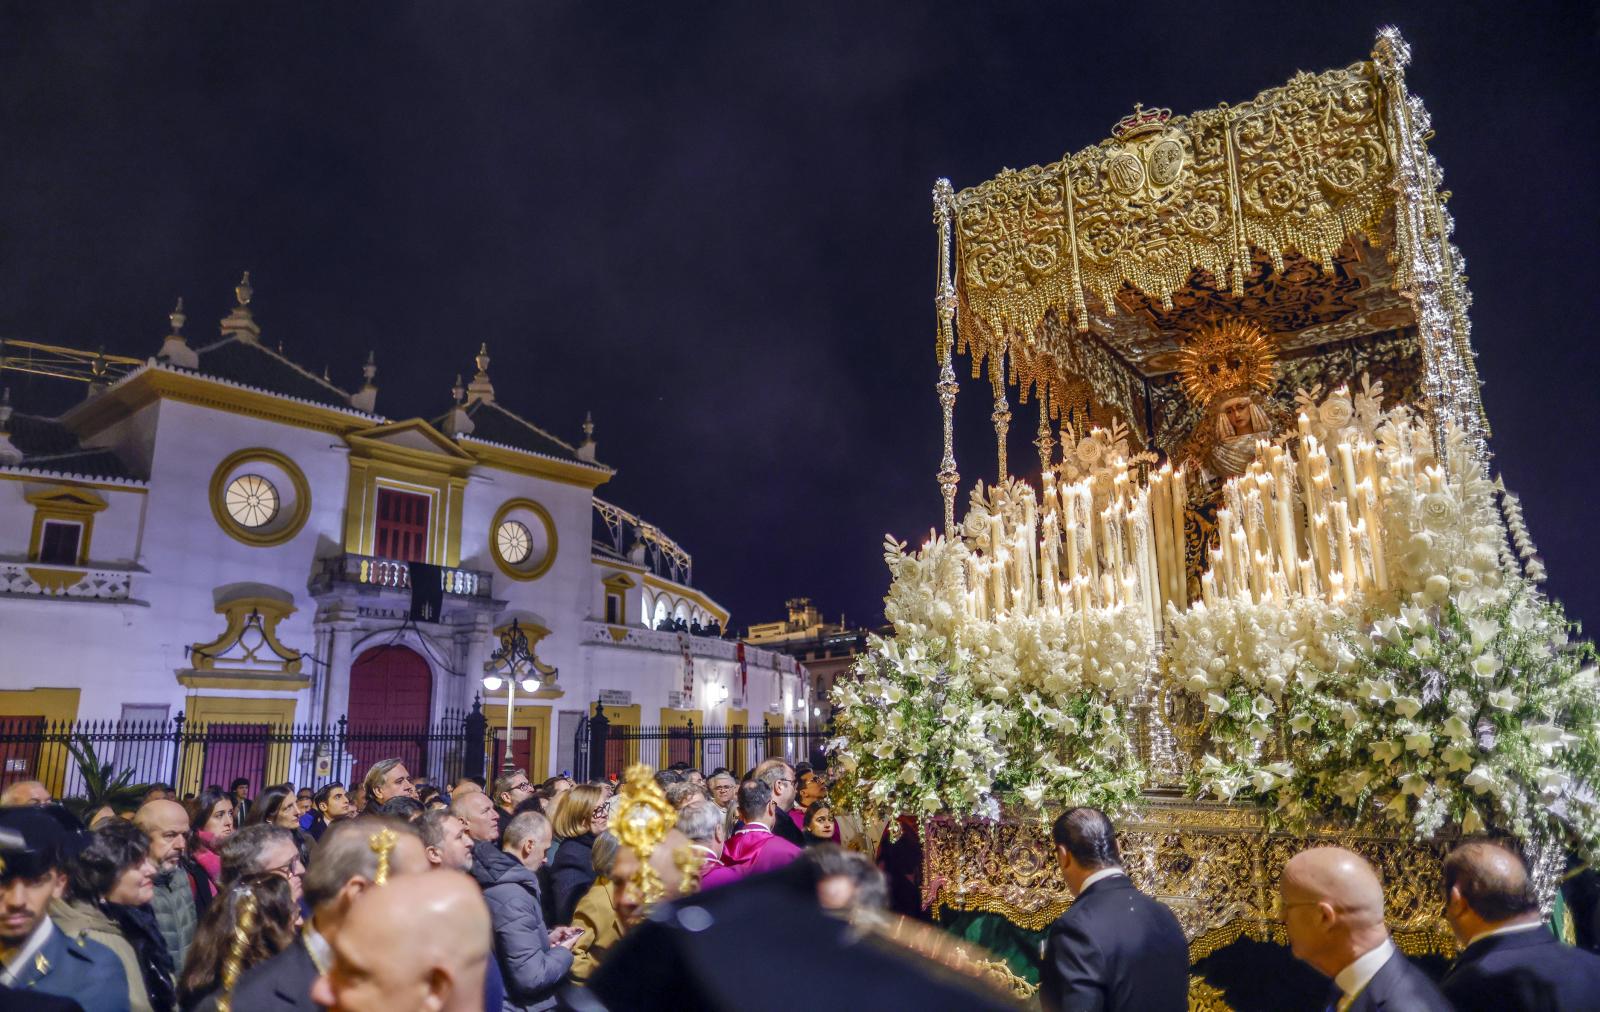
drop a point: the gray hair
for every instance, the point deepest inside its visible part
(242, 852)
(699, 821)
(523, 828)
(344, 853)
(432, 824)
(604, 854)
(374, 778)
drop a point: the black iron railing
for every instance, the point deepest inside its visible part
(191, 756)
(604, 747)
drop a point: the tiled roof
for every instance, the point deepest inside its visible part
(48, 446)
(254, 364)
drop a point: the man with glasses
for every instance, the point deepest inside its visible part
(263, 850)
(510, 790)
(1115, 948)
(1331, 905)
(777, 774)
(723, 788)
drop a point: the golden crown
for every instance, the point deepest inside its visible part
(1232, 357)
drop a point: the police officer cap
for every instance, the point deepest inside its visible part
(37, 838)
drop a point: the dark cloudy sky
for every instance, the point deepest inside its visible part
(710, 224)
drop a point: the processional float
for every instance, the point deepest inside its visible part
(1263, 590)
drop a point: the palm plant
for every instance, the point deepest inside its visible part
(103, 784)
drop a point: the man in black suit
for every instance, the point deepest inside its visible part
(1510, 962)
(342, 868)
(1331, 904)
(1114, 948)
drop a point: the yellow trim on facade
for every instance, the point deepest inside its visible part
(55, 706)
(531, 717)
(677, 589)
(128, 397)
(250, 536)
(205, 710)
(618, 584)
(68, 505)
(538, 467)
(735, 761)
(627, 716)
(238, 611)
(439, 473)
(239, 680)
(525, 572)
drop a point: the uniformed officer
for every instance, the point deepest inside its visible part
(34, 955)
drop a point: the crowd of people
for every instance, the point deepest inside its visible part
(513, 896)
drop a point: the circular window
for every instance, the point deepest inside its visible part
(515, 541)
(260, 497)
(251, 500)
(522, 539)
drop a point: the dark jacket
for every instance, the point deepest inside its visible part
(1118, 950)
(1522, 972)
(784, 829)
(1399, 986)
(713, 951)
(14, 1000)
(530, 966)
(138, 925)
(571, 875)
(77, 968)
(280, 984)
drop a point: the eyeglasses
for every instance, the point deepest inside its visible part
(292, 869)
(598, 813)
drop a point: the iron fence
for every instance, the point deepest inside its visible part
(603, 747)
(191, 756)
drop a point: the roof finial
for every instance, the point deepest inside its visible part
(240, 323)
(458, 422)
(366, 399)
(480, 389)
(175, 350)
(586, 448)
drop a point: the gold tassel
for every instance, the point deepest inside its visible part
(243, 928)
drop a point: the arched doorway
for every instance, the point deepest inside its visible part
(391, 688)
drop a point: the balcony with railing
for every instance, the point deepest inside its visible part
(74, 583)
(393, 574)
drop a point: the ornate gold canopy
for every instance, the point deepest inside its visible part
(1312, 210)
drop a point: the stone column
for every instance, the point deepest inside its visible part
(336, 699)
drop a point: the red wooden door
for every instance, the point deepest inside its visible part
(522, 744)
(391, 688)
(402, 526)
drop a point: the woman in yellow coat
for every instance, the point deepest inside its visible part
(597, 912)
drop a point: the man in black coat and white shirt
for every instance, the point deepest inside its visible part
(1331, 905)
(1510, 962)
(1115, 948)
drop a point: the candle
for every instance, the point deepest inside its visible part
(1180, 504)
(1308, 582)
(1347, 469)
(1208, 591)
(1341, 529)
(1305, 426)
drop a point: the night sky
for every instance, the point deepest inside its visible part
(711, 225)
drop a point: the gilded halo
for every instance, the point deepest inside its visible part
(1234, 357)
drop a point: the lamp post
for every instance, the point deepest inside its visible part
(518, 661)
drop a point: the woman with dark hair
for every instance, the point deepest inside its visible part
(217, 936)
(109, 887)
(275, 806)
(819, 826)
(211, 823)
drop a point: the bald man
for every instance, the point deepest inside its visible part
(183, 890)
(1331, 904)
(420, 942)
(24, 792)
(1509, 960)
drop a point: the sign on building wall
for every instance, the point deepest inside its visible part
(680, 700)
(616, 697)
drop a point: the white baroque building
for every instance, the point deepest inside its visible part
(222, 533)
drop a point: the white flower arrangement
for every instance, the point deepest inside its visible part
(959, 715)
